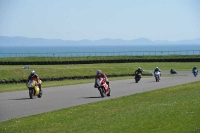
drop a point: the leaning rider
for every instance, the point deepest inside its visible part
(102, 75)
(194, 68)
(139, 70)
(34, 76)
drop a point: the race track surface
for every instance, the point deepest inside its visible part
(18, 104)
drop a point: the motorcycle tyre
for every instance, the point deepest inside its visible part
(136, 80)
(157, 79)
(40, 95)
(31, 93)
(101, 91)
(108, 93)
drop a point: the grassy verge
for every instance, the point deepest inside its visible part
(172, 109)
(48, 71)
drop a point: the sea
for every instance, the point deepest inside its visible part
(111, 50)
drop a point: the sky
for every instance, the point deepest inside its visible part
(171, 20)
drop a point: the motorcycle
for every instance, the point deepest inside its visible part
(157, 76)
(195, 72)
(173, 71)
(34, 90)
(137, 77)
(103, 87)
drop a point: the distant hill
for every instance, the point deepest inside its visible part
(22, 41)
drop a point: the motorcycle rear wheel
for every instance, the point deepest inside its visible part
(40, 95)
(108, 93)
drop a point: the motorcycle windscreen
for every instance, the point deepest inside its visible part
(31, 84)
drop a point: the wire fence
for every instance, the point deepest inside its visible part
(82, 54)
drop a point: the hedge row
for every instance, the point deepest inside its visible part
(100, 61)
(64, 78)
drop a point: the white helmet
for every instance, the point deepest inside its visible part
(157, 67)
(32, 73)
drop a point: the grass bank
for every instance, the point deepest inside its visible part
(172, 109)
(8, 72)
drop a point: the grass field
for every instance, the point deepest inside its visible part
(47, 71)
(172, 109)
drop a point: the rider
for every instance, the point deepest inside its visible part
(102, 75)
(194, 68)
(35, 77)
(172, 70)
(157, 70)
(139, 70)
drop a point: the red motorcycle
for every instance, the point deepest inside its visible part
(102, 87)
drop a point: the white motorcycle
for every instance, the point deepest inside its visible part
(157, 76)
(195, 72)
(102, 87)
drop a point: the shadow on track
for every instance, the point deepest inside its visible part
(20, 99)
(92, 97)
(151, 81)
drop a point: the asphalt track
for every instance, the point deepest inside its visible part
(18, 104)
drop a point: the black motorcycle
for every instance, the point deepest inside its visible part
(137, 77)
(173, 71)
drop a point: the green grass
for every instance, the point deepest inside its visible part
(46, 71)
(22, 59)
(172, 109)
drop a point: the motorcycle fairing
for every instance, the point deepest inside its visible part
(101, 82)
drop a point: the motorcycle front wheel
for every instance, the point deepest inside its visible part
(101, 91)
(31, 93)
(136, 80)
(157, 79)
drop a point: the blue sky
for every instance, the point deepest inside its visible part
(91, 19)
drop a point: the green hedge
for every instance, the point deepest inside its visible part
(100, 61)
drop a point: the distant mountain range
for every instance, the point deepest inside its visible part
(22, 41)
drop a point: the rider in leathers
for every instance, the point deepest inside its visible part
(34, 76)
(157, 69)
(102, 75)
(194, 68)
(139, 70)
